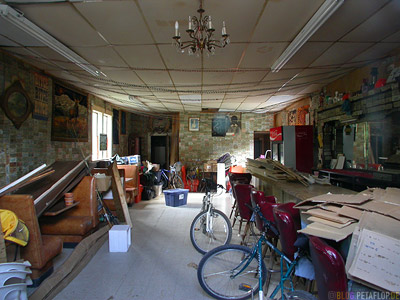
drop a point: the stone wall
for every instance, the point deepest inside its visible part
(196, 147)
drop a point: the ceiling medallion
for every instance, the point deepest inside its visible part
(201, 32)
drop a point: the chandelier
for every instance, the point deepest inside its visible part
(201, 32)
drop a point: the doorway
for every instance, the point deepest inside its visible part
(160, 150)
(261, 143)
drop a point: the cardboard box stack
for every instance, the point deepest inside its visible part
(372, 217)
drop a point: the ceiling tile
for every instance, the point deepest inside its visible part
(176, 60)
(247, 106)
(232, 106)
(283, 19)
(309, 52)
(124, 76)
(211, 104)
(228, 57)
(394, 38)
(382, 24)
(248, 78)
(155, 77)
(377, 51)
(186, 80)
(348, 16)
(262, 55)
(340, 53)
(109, 17)
(104, 57)
(141, 56)
(223, 78)
(64, 23)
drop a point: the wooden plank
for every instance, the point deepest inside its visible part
(59, 208)
(119, 195)
(331, 216)
(5, 189)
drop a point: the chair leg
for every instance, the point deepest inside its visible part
(233, 209)
(246, 229)
(240, 224)
(235, 217)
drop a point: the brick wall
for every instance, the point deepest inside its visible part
(196, 147)
(30, 146)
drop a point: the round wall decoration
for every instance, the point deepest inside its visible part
(16, 104)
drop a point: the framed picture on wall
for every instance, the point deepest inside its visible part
(70, 115)
(194, 124)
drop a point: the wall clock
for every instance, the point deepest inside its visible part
(16, 104)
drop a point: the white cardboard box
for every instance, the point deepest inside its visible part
(119, 238)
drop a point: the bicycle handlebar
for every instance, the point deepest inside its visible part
(209, 182)
(267, 224)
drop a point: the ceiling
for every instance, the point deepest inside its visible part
(130, 41)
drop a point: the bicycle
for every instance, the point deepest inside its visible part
(211, 227)
(231, 271)
(175, 181)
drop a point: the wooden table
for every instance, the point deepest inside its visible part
(286, 191)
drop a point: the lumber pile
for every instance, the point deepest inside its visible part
(272, 169)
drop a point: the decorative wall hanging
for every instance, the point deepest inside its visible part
(115, 127)
(292, 117)
(301, 115)
(123, 122)
(16, 104)
(220, 125)
(161, 125)
(70, 115)
(235, 125)
(41, 97)
(194, 124)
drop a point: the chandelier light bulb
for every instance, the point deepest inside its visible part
(223, 28)
(176, 28)
(190, 23)
(209, 22)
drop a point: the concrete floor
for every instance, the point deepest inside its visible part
(161, 262)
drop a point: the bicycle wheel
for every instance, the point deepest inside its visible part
(220, 233)
(177, 182)
(217, 267)
(164, 182)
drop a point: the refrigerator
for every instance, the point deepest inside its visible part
(293, 146)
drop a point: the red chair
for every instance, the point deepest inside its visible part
(266, 204)
(234, 178)
(329, 269)
(287, 220)
(243, 200)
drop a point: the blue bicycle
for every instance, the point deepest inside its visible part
(234, 272)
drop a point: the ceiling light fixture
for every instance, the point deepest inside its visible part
(201, 32)
(316, 21)
(16, 18)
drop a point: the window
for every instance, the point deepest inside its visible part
(101, 135)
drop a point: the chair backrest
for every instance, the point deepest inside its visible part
(287, 220)
(131, 171)
(329, 269)
(235, 178)
(23, 207)
(266, 207)
(243, 198)
(85, 193)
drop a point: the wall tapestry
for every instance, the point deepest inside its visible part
(123, 122)
(225, 125)
(41, 97)
(302, 114)
(70, 115)
(292, 117)
(115, 127)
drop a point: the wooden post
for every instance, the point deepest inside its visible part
(119, 195)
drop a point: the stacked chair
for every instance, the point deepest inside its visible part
(242, 193)
(235, 178)
(14, 278)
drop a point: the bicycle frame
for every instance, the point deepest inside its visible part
(257, 250)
